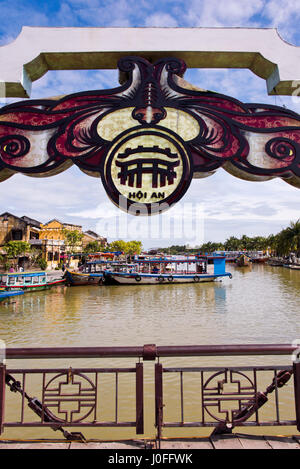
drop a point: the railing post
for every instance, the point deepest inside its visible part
(139, 398)
(2, 395)
(158, 399)
(296, 370)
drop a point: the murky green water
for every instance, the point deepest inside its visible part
(259, 305)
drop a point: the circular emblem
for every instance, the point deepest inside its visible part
(146, 170)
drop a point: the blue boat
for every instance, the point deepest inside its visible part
(168, 270)
(28, 281)
(7, 294)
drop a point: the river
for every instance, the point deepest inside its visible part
(260, 304)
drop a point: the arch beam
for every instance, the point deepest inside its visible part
(37, 50)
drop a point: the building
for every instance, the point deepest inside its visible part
(53, 241)
(92, 237)
(49, 238)
(13, 228)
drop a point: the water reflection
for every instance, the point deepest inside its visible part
(220, 299)
(258, 305)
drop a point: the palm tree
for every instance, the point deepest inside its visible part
(289, 239)
(232, 244)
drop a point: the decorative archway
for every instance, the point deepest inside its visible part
(150, 136)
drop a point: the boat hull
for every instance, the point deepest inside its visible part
(243, 261)
(45, 286)
(4, 295)
(164, 279)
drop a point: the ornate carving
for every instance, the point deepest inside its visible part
(132, 135)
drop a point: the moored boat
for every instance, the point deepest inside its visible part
(91, 273)
(259, 259)
(28, 281)
(294, 266)
(243, 260)
(157, 271)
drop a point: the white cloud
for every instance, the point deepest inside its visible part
(231, 206)
(285, 17)
(222, 13)
(162, 20)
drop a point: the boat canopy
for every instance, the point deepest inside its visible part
(177, 261)
(26, 274)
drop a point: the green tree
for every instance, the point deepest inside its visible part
(42, 264)
(232, 244)
(127, 247)
(73, 238)
(15, 249)
(288, 240)
(35, 256)
(119, 245)
(133, 247)
(210, 247)
(93, 246)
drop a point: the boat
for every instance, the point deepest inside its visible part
(243, 260)
(91, 273)
(28, 281)
(168, 270)
(4, 295)
(259, 258)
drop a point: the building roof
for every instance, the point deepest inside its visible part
(92, 234)
(24, 219)
(31, 221)
(62, 223)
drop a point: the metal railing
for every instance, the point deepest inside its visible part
(223, 397)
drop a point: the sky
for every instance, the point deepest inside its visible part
(214, 208)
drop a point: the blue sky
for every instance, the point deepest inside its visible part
(229, 206)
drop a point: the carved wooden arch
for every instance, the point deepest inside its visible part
(149, 137)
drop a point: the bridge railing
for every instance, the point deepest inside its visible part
(222, 397)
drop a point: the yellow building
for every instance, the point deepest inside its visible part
(13, 228)
(53, 240)
(92, 237)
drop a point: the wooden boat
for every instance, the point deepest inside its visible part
(168, 271)
(91, 273)
(4, 295)
(259, 259)
(79, 279)
(243, 260)
(28, 281)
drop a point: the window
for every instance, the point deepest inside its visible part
(17, 235)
